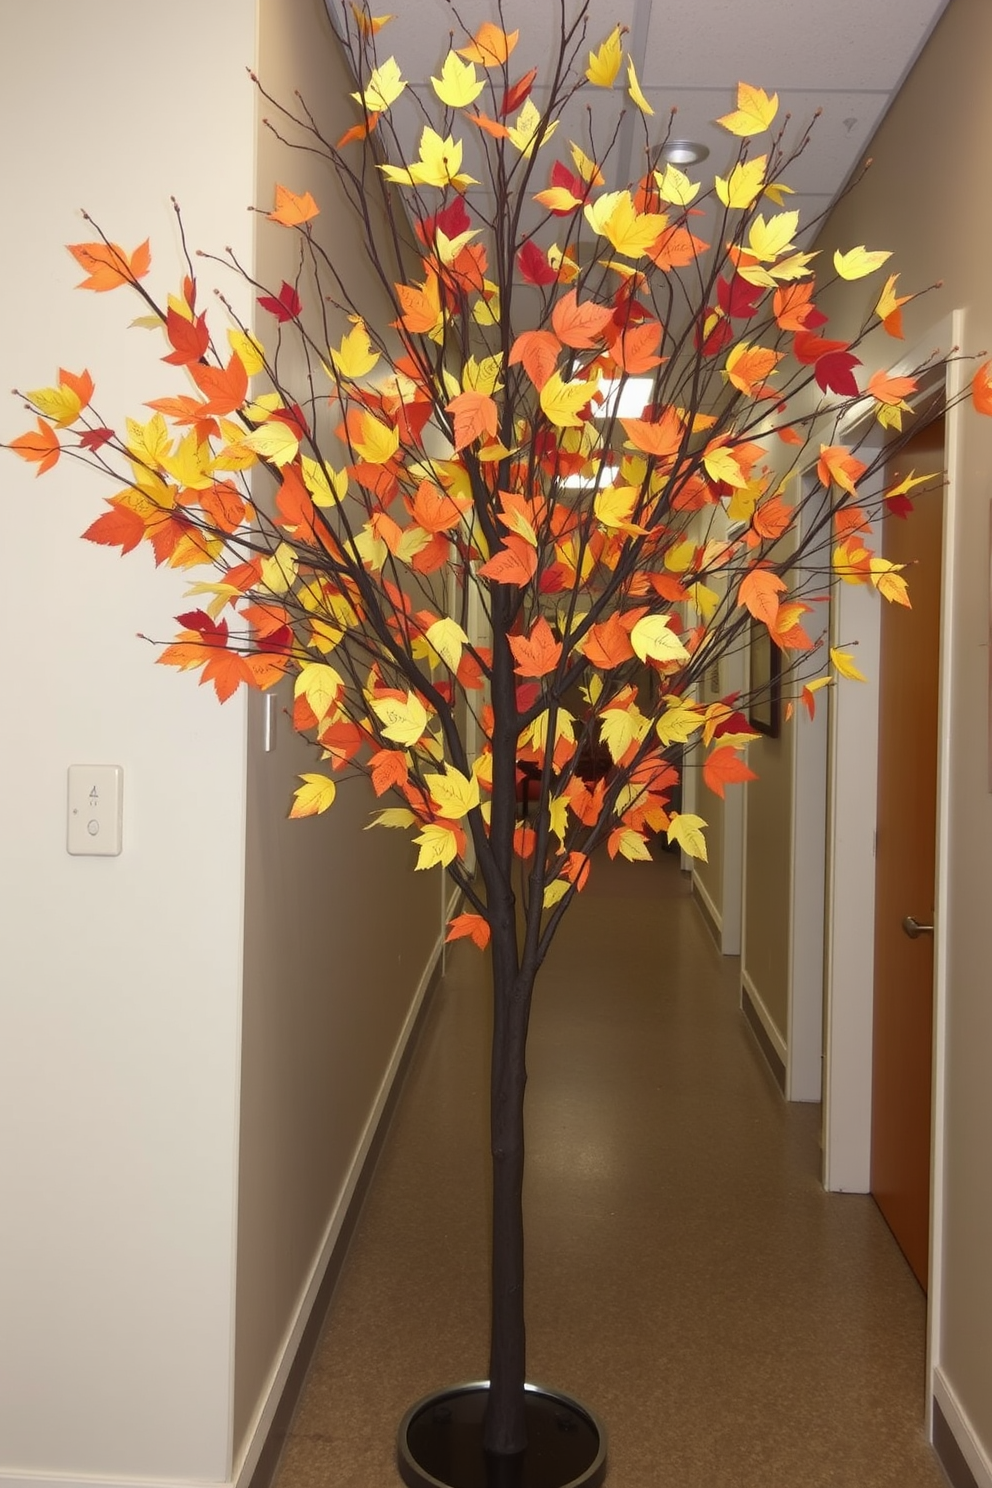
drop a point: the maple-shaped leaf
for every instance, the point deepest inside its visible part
(538, 351)
(403, 720)
(660, 437)
(630, 232)
(858, 262)
(388, 770)
(889, 582)
(471, 927)
(517, 93)
(889, 307)
(438, 846)
(834, 373)
(635, 349)
(120, 527)
(94, 439)
(793, 308)
(754, 112)
(475, 416)
(287, 305)
(844, 664)
(560, 200)
(534, 266)
(514, 563)
(580, 326)
(676, 248)
(889, 389)
(490, 46)
(724, 767)
(604, 62)
(108, 265)
(744, 185)
(838, 466)
(293, 209)
(459, 83)
(748, 366)
(686, 830)
(421, 306)
(39, 448)
(224, 388)
(634, 89)
(772, 518)
(629, 844)
(759, 591)
(562, 402)
(189, 339)
(359, 131)
(536, 654)
(368, 25)
(607, 644)
(652, 638)
(453, 793)
(491, 126)
(981, 389)
(356, 356)
(315, 795)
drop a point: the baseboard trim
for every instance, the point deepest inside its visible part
(955, 1440)
(770, 1041)
(259, 1457)
(711, 915)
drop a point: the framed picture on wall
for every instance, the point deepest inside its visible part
(765, 681)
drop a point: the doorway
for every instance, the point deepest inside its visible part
(905, 861)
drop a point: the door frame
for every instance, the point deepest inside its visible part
(852, 790)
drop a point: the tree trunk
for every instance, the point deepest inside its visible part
(505, 1430)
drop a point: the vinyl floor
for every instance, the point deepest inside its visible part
(733, 1325)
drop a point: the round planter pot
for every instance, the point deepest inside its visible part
(440, 1443)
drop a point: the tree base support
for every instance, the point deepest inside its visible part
(440, 1443)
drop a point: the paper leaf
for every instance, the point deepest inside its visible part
(536, 654)
(292, 210)
(459, 83)
(107, 265)
(438, 847)
(844, 664)
(403, 721)
(315, 795)
(453, 793)
(725, 767)
(634, 89)
(604, 63)
(471, 927)
(754, 112)
(562, 402)
(653, 639)
(686, 830)
(490, 47)
(858, 262)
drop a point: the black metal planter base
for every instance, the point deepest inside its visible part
(440, 1443)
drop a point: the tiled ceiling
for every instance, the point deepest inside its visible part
(843, 58)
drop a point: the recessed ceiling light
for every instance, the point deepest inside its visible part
(684, 152)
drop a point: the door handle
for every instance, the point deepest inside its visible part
(914, 929)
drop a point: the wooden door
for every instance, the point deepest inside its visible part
(905, 863)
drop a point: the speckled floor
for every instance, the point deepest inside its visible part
(733, 1325)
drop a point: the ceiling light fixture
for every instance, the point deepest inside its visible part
(684, 152)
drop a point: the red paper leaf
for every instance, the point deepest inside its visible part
(287, 306)
(534, 266)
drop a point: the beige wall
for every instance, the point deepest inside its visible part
(927, 199)
(338, 929)
(119, 977)
(767, 871)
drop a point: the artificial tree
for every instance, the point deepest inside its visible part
(477, 568)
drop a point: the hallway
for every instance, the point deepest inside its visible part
(731, 1324)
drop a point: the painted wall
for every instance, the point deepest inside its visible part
(940, 131)
(119, 978)
(767, 870)
(339, 929)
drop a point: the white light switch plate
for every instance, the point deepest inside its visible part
(95, 811)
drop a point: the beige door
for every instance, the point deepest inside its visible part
(905, 864)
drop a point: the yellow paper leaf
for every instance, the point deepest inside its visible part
(356, 356)
(562, 401)
(314, 796)
(652, 637)
(275, 441)
(614, 217)
(744, 184)
(454, 794)
(62, 405)
(555, 892)
(634, 89)
(378, 443)
(631, 845)
(686, 830)
(604, 63)
(767, 241)
(247, 349)
(887, 580)
(844, 663)
(403, 720)
(678, 724)
(588, 170)
(383, 88)
(448, 639)
(858, 262)
(438, 847)
(754, 112)
(321, 685)
(395, 817)
(459, 83)
(523, 133)
(279, 569)
(326, 487)
(674, 186)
